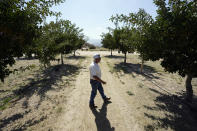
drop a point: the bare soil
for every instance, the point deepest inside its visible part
(57, 98)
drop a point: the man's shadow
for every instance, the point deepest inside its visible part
(101, 120)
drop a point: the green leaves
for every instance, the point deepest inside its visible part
(133, 30)
(60, 37)
(176, 28)
(171, 38)
(108, 41)
(20, 26)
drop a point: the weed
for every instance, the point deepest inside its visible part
(122, 82)
(32, 66)
(6, 102)
(59, 110)
(140, 85)
(130, 93)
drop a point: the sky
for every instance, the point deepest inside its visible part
(93, 15)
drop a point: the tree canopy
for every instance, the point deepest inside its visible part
(173, 38)
(108, 41)
(60, 37)
(170, 38)
(22, 31)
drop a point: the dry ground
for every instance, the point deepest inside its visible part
(57, 98)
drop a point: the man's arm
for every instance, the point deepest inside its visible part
(98, 79)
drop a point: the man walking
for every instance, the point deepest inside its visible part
(96, 81)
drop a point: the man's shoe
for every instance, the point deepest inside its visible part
(92, 106)
(106, 100)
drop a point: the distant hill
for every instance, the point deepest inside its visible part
(88, 45)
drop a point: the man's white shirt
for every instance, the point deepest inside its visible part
(94, 70)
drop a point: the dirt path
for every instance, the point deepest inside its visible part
(58, 98)
(114, 116)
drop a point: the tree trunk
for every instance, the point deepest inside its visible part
(125, 58)
(111, 52)
(189, 90)
(62, 61)
(142, 65)
(74, 52)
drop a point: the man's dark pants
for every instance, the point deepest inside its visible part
(96, 85)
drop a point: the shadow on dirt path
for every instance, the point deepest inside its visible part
(102, 123)
(44, 81)
(76, 57)
(15, 117)
(39, 85)
(130, 68)
(179, 116)
(114, 56)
